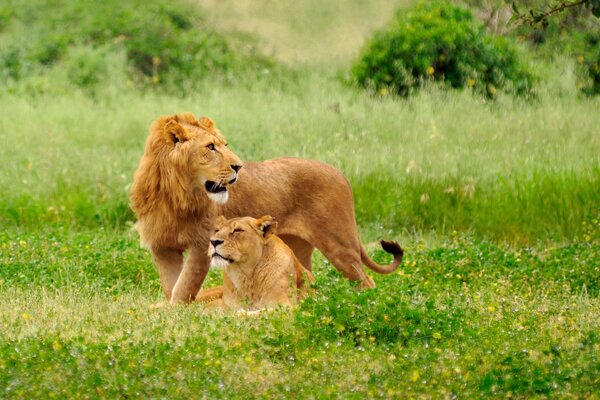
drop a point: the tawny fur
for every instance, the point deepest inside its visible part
(260, 272)
(311, 200)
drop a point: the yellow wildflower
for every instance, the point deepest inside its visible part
(415, 376)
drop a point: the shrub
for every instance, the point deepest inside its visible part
(590, 60)
(165, 41)
(440, 42)
(86, 66)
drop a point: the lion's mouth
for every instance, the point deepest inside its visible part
(214, 187)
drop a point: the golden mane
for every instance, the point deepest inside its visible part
(162, 178)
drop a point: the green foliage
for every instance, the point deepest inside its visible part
(437, 41)
(573, 32)
(441, 42)
(165, 42)
(534, 16)
(87, 66)
(590, 65)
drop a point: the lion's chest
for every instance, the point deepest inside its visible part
(179, 234)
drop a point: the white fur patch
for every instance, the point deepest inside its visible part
(220, 198)
(218, 262)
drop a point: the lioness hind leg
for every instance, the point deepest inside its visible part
(348, 262)
(211, 298)
(301, 248)
(210, 294)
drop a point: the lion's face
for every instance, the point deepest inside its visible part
(239, 241)
(199, 148)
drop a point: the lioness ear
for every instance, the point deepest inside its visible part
(174, 133)
(267, 225)
(207, 123)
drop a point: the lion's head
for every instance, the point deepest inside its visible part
(184, 157)
(240, 241)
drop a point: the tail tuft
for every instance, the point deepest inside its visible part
(392, 248)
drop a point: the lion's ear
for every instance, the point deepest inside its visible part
(267, 225)
(207, 123)
(175, 133)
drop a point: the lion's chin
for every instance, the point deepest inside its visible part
(219, 262)
(220, 197)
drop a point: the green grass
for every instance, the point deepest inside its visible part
(495, 202)
(443, 160)
(463, 316)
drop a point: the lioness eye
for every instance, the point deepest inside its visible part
(211, 146)
(237, 230)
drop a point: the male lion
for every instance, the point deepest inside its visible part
(259, 269)
(186, 178)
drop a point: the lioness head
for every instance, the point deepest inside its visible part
(239, 241)
(197, 147)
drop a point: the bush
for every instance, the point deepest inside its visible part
(437, 41)
(165, 41)
(590, 60)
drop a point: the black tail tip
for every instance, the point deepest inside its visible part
(392, 247)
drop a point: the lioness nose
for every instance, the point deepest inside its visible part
(236, 167)
(215, 243)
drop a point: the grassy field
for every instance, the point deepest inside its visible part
(497, 204)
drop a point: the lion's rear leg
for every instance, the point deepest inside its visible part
(301, 248)
(347, 261)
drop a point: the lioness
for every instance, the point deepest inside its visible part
(258, 267)
(186, 178)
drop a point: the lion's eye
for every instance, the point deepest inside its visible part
(237, 231)
(211, 146)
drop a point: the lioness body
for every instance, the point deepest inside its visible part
(260, 270)
(180, 188)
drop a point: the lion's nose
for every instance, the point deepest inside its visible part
(236, 167)
(215, 243)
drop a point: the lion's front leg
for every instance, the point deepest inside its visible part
(168, 263)
(191, 277)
